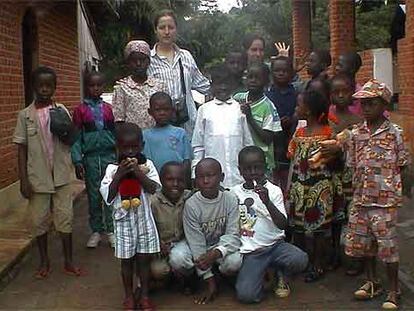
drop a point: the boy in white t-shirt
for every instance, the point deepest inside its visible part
(262, 221)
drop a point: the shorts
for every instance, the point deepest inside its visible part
(48, 208)
(136, 233)
(372, 232)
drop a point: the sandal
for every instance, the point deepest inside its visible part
(314, 275)
(146, 304)
(74, 271)
(368, 291)
(390, 303)
(129, 303)
(42, 273)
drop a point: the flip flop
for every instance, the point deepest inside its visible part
(146, 304)
(74, 271)
(42, 273)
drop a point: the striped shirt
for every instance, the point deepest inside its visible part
(169, 73)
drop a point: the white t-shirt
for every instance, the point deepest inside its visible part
(257, 229)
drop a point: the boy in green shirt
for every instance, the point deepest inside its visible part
(260, 112)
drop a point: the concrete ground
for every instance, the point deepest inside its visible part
(101, 288)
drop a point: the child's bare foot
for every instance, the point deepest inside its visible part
(209, 294)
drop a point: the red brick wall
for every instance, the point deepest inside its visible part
(405, 113)
(342, 27)
(366, 71)
(301, 28)
(58, 48)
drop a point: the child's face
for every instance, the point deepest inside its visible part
(161, 110)
(129, 147)
(256, 51)
(341, 93)
(256, 80)
(235, 64)
(373, 108)
(281, 72)
(208, 177)
(314, 65)
(222, 90)
(252, 168)
(44, 87)
(301, 110)
(173, 182)
(95, 86)
(138, 64)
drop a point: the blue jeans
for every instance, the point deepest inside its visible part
(282, 256)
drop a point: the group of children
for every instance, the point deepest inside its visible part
(267, 164)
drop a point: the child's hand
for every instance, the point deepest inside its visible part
(26, 189)
(206, 260)
(80, 171)
(263, 193)
(330, 150)
(245, 108)
(125, 167)
(165, 248)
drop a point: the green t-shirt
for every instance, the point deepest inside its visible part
(266, 116)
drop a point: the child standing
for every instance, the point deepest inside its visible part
(311, 190)
(45, 172)
(211, 227)
(164, 142)
(262, 220)
(261, 114)
(283, 95)
(377, 153)
(92, 152)
(221, 129)
(131, 94)
(136, 237)
(167, 207)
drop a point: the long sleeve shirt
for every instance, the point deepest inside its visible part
(211, 224)
(221, 131)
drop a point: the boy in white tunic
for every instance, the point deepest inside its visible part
(221, 129)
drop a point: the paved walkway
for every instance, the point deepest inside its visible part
(101, 288)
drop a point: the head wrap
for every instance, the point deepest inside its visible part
(136, 46)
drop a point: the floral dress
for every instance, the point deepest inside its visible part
(311, 191)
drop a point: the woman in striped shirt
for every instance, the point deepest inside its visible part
(165, 66)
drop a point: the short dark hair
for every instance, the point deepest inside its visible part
(249, 38)
(286, 59)
(324, 56)
(249, 150)
(342, 77)
(169, 164)
(219, 73)
(88, 75)
(355, 60)
(262, 66)
(317, 104)
(43, 70)
(160, 96)
(164, 13)
(123, 129)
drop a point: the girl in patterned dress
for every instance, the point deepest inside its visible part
(311, 189)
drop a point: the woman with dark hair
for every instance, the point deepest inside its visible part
(254, 46)
(177, 68)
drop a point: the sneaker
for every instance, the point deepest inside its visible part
(94, 240)
(111, 239)
(282, 290)
(368, 291)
